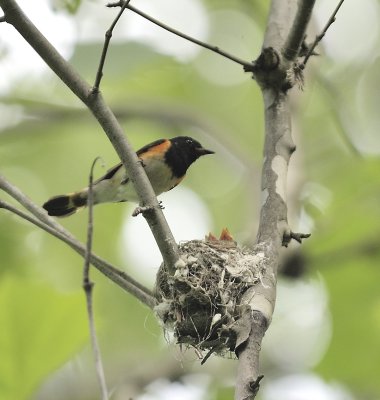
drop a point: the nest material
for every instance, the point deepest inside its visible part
(201, 302)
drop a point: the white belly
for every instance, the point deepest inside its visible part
(113, 190)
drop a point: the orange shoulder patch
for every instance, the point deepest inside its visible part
(156, 149)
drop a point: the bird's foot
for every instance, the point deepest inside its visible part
(142, 209)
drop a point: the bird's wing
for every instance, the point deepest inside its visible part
(153, 147)
(149, 147)
(109, 174)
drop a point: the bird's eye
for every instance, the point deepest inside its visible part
(189, 141)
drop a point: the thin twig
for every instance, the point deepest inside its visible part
(319, 37)
(122, 279)
(247, 65)
(107, 39)
(88, 286)
(90, 225)
(48, 224)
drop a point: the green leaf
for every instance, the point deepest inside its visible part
(40, 330)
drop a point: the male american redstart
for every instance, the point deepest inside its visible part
(165, 161)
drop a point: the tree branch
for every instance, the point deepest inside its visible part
(319, 37)
(297, 32)
(107, 39)
(249, 356)
(285, 32)
(49, 225)
(247, 65)
(94, 101)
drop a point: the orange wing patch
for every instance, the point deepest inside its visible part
(156, 151)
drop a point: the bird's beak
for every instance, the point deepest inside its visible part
(202, 152)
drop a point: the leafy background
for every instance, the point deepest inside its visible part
(324, 339)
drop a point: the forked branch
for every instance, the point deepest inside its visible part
(107, 40)
(94, 101)
(43, 221)
(287, 22)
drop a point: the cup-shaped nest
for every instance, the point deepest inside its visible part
(201, 303)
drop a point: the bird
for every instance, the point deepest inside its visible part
(165, 161)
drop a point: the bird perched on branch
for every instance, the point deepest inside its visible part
(165, 161)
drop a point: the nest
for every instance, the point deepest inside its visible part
(201, 302)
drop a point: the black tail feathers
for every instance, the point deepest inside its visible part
(65, 205)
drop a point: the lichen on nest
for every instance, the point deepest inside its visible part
(201, 302)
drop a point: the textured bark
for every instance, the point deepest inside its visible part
(274, 73)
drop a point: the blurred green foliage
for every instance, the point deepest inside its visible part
(34, 317)
(336, 184)
(71, 6)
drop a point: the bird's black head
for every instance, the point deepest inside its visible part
(183, 151)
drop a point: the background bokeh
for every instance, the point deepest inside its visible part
(324, 341)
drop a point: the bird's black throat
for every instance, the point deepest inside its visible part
(179, 159)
